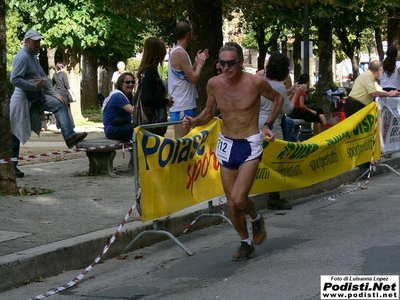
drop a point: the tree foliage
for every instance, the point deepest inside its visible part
(353, 23)
(81, 24)
(115, 29)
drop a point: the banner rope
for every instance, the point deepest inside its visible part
(90, 267)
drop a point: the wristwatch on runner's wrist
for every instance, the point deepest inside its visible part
(270, 125)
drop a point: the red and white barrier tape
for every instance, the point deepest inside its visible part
(90, 267)
(333, 197)
(220, 203)
(111, 241)
(28, 157)
(373, 163)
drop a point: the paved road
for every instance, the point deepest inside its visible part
(356, 234)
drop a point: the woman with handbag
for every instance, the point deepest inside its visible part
(117, 109)
(150, 100)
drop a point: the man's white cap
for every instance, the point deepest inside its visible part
(33, 35)
(121, 65)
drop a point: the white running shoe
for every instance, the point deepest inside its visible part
(53, 127)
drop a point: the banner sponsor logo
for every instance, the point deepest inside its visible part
(169, 151)
(389, 109)
(176, 174)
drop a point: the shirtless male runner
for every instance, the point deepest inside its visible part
(240, 145)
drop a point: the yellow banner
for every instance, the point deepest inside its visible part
(176, 174)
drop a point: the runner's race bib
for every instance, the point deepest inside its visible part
(224, 148)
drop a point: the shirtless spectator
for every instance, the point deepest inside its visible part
(183, 76)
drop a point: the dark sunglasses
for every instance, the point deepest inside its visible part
(230, 63)
(130, 82)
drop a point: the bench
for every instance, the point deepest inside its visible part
(101, 153)
(299, 122)
(47, 117)
(304, 132)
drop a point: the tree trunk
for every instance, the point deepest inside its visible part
(262, 47)
(284, 47)
(379, 46)
(355, 62)
(393, 29)
(206, 18)
(8, 183)
(72, 59)
(51, 61)
(89, 80)
(325, 81)
(105, 85)
(297, 54)
(350, 48)
(74, 80)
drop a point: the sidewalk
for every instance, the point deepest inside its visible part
(42, 235)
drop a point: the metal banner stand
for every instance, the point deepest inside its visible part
(372, 166)
(209, 214)
(370, 169)
(155, 229)
(390, 168)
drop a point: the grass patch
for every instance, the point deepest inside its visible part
(29, 191)
(92, 116)
(87, 121)
(92, 110)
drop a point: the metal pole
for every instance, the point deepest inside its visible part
(306, 130)
(306, 66)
